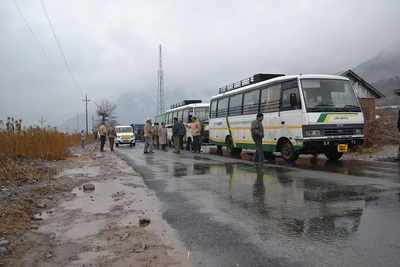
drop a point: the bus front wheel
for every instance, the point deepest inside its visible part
(332, 154)
(288, 152)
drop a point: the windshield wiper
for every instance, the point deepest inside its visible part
(324, 105)
(351, 106)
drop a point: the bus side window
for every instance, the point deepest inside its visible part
(185, 116)
(213, 109)
(290, 90)
(250, 102)
(222, 107)
(235, 105)
(270, 98)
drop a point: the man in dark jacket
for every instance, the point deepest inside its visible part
(257, 133)
(178, 131)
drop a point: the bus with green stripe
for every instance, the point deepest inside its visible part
(184, 111)
(303, 114)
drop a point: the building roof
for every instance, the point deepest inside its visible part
(375, 92)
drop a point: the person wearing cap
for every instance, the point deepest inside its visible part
(257, 133)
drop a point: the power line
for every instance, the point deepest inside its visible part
(30, 28)
(59, 45)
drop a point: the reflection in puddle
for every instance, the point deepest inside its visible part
(180, 169)
(295, 207)
(201, 169)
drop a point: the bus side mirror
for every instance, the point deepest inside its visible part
(293, 100)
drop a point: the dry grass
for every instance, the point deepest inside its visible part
(18, 152)
(37, 144)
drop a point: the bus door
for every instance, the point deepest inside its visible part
(290, 111)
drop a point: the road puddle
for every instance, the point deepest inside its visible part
(90, 172)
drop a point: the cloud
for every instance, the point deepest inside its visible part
(111, 47)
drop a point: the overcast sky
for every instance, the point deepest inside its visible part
(111, 46)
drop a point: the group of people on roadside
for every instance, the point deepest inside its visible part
(156, 135)
(107, 133)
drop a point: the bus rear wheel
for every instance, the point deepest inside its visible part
(233, 151)
(332, 154)
(288, 152)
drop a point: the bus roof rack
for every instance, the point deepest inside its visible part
(256, 78)
(185, 102)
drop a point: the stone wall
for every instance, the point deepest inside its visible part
(369, 109)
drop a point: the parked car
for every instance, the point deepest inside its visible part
(125, 135)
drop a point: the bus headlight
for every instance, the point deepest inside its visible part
(312, 133)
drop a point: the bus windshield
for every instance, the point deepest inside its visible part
(329, 95)
(202, 113)
(127, 129)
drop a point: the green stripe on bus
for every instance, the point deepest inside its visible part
(322, 117)
(266, 147)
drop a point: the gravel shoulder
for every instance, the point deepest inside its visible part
(115, 221)
(387, 153)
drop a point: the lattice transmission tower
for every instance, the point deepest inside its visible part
(160, 85)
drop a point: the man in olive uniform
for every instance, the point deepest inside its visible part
(112, 134)
(103, 136)
(257, 133)
(178, 131)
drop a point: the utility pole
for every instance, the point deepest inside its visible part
(160, 85)
(86, 100)
(42, 121)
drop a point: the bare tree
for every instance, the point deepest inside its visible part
(105, 111)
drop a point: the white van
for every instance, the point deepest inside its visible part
(125, 135)
(303, 114)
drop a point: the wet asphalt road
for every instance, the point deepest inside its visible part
(228, 212)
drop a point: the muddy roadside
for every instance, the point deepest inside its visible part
(91, 210)
(387, 153)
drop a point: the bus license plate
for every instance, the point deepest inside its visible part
(342, 148)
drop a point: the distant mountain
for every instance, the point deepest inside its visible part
(135, 107)
(384, 66)
(387, 87)
(74, 124)
(383, 71)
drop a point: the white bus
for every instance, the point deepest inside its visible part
(303, 114)
(184, 111)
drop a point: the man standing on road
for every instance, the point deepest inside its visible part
(162, 135)
(112, 134)
(195, 127)
(103, 134)
(83, 138)
(257, 133)
(148, 137)
(156, 140)
(178, 131)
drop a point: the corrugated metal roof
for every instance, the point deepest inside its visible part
(375, 92)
